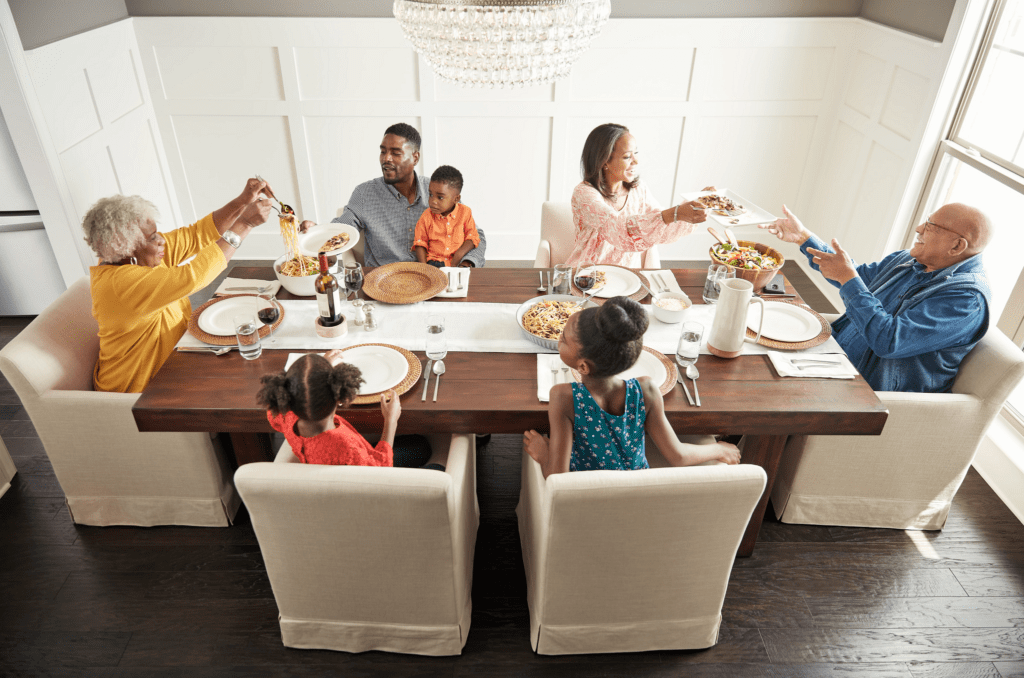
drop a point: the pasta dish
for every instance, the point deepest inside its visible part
(546, 319)
(334, 243)
(299, 265)
(743, 257)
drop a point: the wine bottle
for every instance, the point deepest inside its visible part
(328, 295)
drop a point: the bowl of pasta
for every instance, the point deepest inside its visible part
(751, 260)
(297, 274)
(542, 318)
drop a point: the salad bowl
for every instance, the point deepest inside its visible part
(758, 277)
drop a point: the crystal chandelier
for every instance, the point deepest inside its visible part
(504, 43)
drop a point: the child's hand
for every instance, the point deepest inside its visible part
(334, 356)
(390, 407)
(536, 446)
(729, 453)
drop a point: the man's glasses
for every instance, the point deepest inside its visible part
(944, 228)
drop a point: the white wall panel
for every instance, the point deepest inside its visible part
(446, 91)
(865, 84)
(631, 74)
(830, 214)
(906, 103)
(115, 86)
(89, 164)
(69, 107)
(344, 73)
(135, 158)
(762, 73)
(211, 72)
(873, 195)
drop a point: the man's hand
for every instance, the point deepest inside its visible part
(788, 228)
(835, 265)
(306, 225)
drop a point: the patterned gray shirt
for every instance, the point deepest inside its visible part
(387, 221)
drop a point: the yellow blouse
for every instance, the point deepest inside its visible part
(142, 312)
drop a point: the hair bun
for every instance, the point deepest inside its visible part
(621, 319)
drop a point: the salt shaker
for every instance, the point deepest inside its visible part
(360, 315)
(369, 321)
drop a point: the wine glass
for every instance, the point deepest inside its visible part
(269, 315)
(586, 276)
(353, 277)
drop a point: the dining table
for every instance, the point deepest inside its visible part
(497, 392)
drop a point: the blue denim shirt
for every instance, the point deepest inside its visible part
(387, 221)
(906, 329)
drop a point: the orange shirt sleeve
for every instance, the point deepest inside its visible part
(422, 235)
(469, 229)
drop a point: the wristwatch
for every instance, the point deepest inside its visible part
(231, 238)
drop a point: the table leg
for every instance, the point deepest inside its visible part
(250, 447)
(766, 452)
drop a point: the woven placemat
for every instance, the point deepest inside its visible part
(404, 282)
(218, 340)
(636, 296)
(826, 332)
(670, 368)
(415, 370)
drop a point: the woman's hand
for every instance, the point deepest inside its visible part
(256, 213)
(788, 228)
(391, 408)
(728, 453)
(335, 356)
(536, 446)
(253, 189)
(306, 225)
(692, 212)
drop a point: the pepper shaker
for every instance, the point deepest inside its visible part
(360, 314)
(369, 321)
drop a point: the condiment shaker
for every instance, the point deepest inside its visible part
(359, 315)
(369, 321)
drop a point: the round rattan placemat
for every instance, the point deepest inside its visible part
(636, 296)
(670, 368)
(415, 369)
(218, 340)
(404, 282)
(826, 332)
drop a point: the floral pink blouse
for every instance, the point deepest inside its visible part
(605, 235)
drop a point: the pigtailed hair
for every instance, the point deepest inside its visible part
(345, 381)
(611, 336)
(274, 393)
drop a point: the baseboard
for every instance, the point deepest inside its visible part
(1000, 461)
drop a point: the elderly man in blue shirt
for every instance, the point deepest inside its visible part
(386, 209)
(913, 316)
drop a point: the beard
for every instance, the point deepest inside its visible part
(392, 180)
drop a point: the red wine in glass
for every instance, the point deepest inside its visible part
(268, 316)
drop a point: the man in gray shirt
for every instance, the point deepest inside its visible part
(386, 209)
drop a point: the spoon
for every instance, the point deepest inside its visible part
(438, 370)
(732, 237)
(716, 235)
(204, 349)
(692, 373)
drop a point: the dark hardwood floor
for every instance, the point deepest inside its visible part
(811, 601)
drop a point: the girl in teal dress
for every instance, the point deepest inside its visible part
(600, 424)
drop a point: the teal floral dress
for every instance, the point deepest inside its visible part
(602, 441)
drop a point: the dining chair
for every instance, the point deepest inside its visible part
(557, 237)
(7, 468)
(906, 477)
(111, 473)
(367, 558)
(628, 561)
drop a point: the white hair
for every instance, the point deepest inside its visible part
(112, 225)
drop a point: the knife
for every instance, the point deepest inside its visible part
(679, 378)
(426, 380)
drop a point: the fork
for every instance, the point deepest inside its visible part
(565, 375)
(459, 277)
(449, 290)
(554, 376)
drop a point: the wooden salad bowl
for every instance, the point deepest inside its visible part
(757, 277)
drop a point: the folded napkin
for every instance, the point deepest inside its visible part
(840, 367)
(663, 275)
(292, 357)
(275, 285)
(456, 275)
(545, 380)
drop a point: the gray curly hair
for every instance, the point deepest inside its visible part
(112, 225)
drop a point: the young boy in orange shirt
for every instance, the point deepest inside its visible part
(446, 232)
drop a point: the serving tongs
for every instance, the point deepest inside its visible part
(716, 235)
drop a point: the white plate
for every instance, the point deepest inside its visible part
(618, 282)
(752, 215)
(784, 322)
(648, 365)
(218, 319)
(382, 367)
(311, 240)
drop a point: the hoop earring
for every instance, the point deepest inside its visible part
(134, 261)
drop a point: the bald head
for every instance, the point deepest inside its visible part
(970, 222)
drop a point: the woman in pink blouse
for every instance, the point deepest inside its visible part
(616, 216)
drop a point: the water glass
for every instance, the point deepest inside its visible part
(560, 279)
(437, 346)
(713, 285)
(248, 335)
(688, 349)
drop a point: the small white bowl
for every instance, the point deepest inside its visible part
(300, 287)
(667, 315)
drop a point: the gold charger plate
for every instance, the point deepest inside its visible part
(218, 340)
(670, 369)
(826, 332)
(404, 282)
(636, 296)
(415, 370)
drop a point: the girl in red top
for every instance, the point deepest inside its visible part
(302, 402)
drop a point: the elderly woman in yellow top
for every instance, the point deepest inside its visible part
(140, 289)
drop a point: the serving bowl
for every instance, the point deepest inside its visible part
(669, 315)
(757, 277)
(301, 286)
(550, 344)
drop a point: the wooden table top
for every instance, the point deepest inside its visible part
(496, 392)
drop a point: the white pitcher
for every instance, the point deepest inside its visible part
(729, 329)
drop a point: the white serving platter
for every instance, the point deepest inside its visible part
(751, 216)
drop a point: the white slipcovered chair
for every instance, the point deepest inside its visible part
(626, 561)
(906, 477)
(7, 469)
(557, 237)
(366, 558)
(111, 473)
